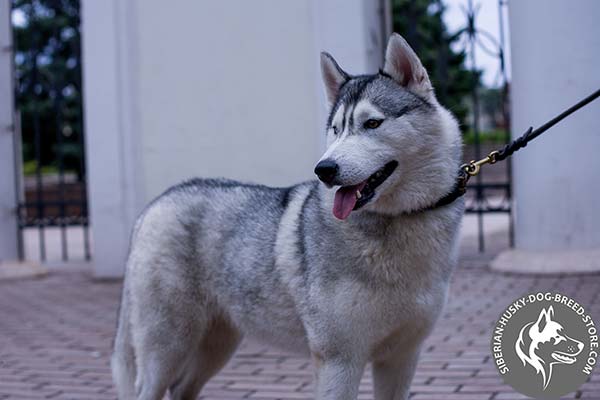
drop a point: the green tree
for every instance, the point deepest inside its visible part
(421, 24)
(48, 79)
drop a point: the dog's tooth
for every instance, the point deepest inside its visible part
(358, 195)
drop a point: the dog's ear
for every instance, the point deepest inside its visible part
(333, 76)
(403, 65)
(543, 319)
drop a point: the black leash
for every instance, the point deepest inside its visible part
(473, 167)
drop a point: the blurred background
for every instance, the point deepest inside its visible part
(107, 103)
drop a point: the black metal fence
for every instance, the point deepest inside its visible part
(492, 195)
(48, 102)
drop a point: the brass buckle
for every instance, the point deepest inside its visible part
(473, 167)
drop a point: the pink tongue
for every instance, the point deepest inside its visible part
(345, 200)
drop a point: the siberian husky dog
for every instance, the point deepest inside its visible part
(350, 270)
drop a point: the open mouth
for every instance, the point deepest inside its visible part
(353, 197)
(563, 358)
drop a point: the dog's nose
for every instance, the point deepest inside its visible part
(327, 170)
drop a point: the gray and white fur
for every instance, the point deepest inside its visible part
(212, 260)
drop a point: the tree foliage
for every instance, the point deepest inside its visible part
(48, 78)
(421, 24)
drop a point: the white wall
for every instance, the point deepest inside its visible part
(556, 62)
(233, 89)
(8, 221)
(212, 88)
(234, 86)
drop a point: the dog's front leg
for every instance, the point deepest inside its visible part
(338, 378)
(392, 375)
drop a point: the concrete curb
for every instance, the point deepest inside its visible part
(547, 262)
(21, 270)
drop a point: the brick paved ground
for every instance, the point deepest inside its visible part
(55, 335)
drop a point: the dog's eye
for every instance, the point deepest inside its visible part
(372, 123)
(335, 130)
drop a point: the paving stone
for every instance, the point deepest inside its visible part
(56, 335)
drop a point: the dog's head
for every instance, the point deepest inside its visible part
(391, 147)
(544, 343)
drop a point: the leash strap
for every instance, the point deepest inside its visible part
(473, 167)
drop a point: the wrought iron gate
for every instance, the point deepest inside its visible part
(52, 204)
(490, 192)
(489, 195)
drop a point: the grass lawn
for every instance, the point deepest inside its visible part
(494, 136)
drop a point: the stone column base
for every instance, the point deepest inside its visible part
(547, 262)
(18, 270)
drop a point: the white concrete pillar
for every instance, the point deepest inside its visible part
(111, 157)
(555, 47)
(207, 89)
(8, 198)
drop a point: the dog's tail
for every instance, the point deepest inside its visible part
(123, 359)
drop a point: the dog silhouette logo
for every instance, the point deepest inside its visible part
(545, 345)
